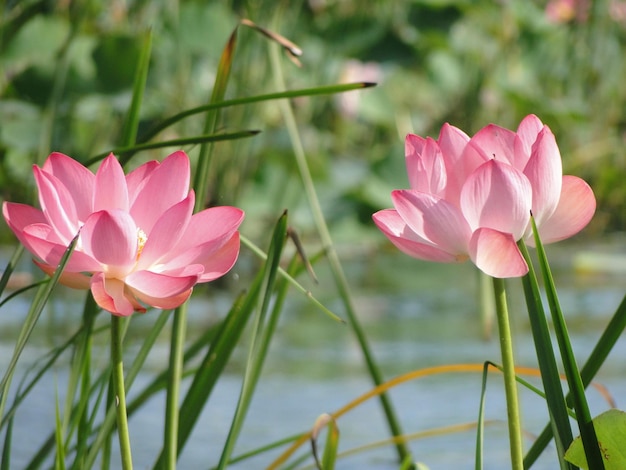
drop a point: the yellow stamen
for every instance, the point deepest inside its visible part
(142, 238)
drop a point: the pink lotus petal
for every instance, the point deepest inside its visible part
(527, 133)
(57, 205)
(216, 225)
(41, 241)
(166, 232)
(407, 241)
(110, 189)
(452, 142)
(460, 159)
(164, 303)
(219, 262)
(160, 285)
(75, 280)
(496, 254)
(216, 258)
(545, 173)
(427, 172)
(110, 294)
(495, 142)
(78, 180)
(499, 197)
(574, 211)
(413, 148)
(19, 216)
(110, 237)
(182, 271)
(136, 179)
(166, 185)
(434, 219)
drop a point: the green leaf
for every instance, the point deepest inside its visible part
(610, 427)
(58, 434)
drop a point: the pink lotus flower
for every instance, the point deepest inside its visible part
(139, 242)
(472, 198)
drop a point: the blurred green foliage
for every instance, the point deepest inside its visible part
(67, 67)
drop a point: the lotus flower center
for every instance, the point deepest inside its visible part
(142, 238)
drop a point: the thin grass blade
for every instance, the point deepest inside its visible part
(480, 427)
(59, 458)
(10, 267)
(131, 125)
(125, 153)
(5, 463)
(201, 179)
(316, 91)
(257, 251)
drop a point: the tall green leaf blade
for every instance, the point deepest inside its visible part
(261, 336)
(5, 463)
(574, 380)
(6, 274)
(201, 179)
(335, 264)
(37, 306)
(58, 434)
(213, 364)
(316, 91)
(139, 86)
(550, 375)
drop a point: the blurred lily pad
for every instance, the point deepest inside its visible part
(116, 60)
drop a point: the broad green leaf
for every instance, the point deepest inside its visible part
(116, 59)
(610, 427)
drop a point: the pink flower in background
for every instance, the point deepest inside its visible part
(564, 11)
(356, 71)
(139, 242)
(472, 198)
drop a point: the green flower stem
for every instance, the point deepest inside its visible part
(170, 438)
(508, 366)
(120, 393)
